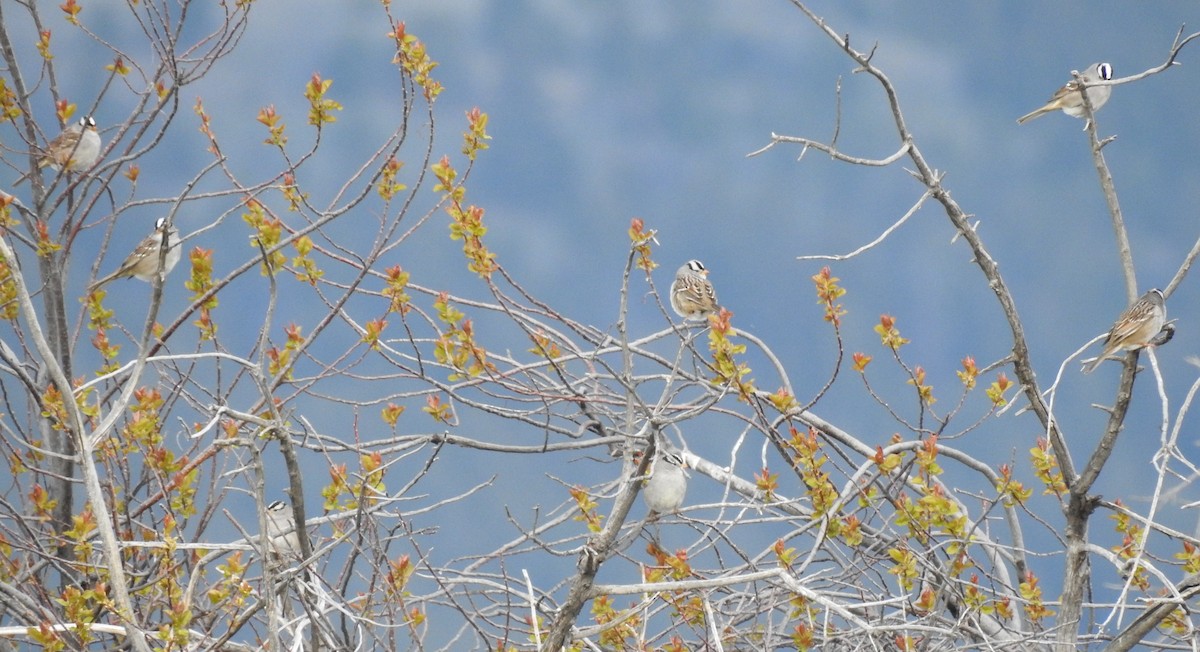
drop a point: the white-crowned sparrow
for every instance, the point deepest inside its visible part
(75, 148)
(284, 542)
(692, 295)
(142, 262)
(1069, 100)
(1137, 327)
(665, 489)
(281, 530)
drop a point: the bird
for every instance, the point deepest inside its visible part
(142, 262)
(1069, 100)
(281, 530)
(75, 149)
(664, 490)
(1165, 335)
(284, 541)
(692, 295)
(1136, 328)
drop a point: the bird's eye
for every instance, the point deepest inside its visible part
(1106, 71)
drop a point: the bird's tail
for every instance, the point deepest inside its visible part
(1033, 114)
(101, 282)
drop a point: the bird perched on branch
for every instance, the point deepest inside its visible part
(75, 149)
(281, 530)
(1136, 328)
(664, 491)
(142, 262)
(692, 295)
(1069, 99)
(284, 540)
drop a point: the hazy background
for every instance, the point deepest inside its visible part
(605, 111)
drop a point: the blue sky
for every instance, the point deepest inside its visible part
(605, 111)
(601, 113)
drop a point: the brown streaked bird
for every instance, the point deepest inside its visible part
(142, 262)
(75, 149)
(692, 295)
(1069, 100)
(1135, 328)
